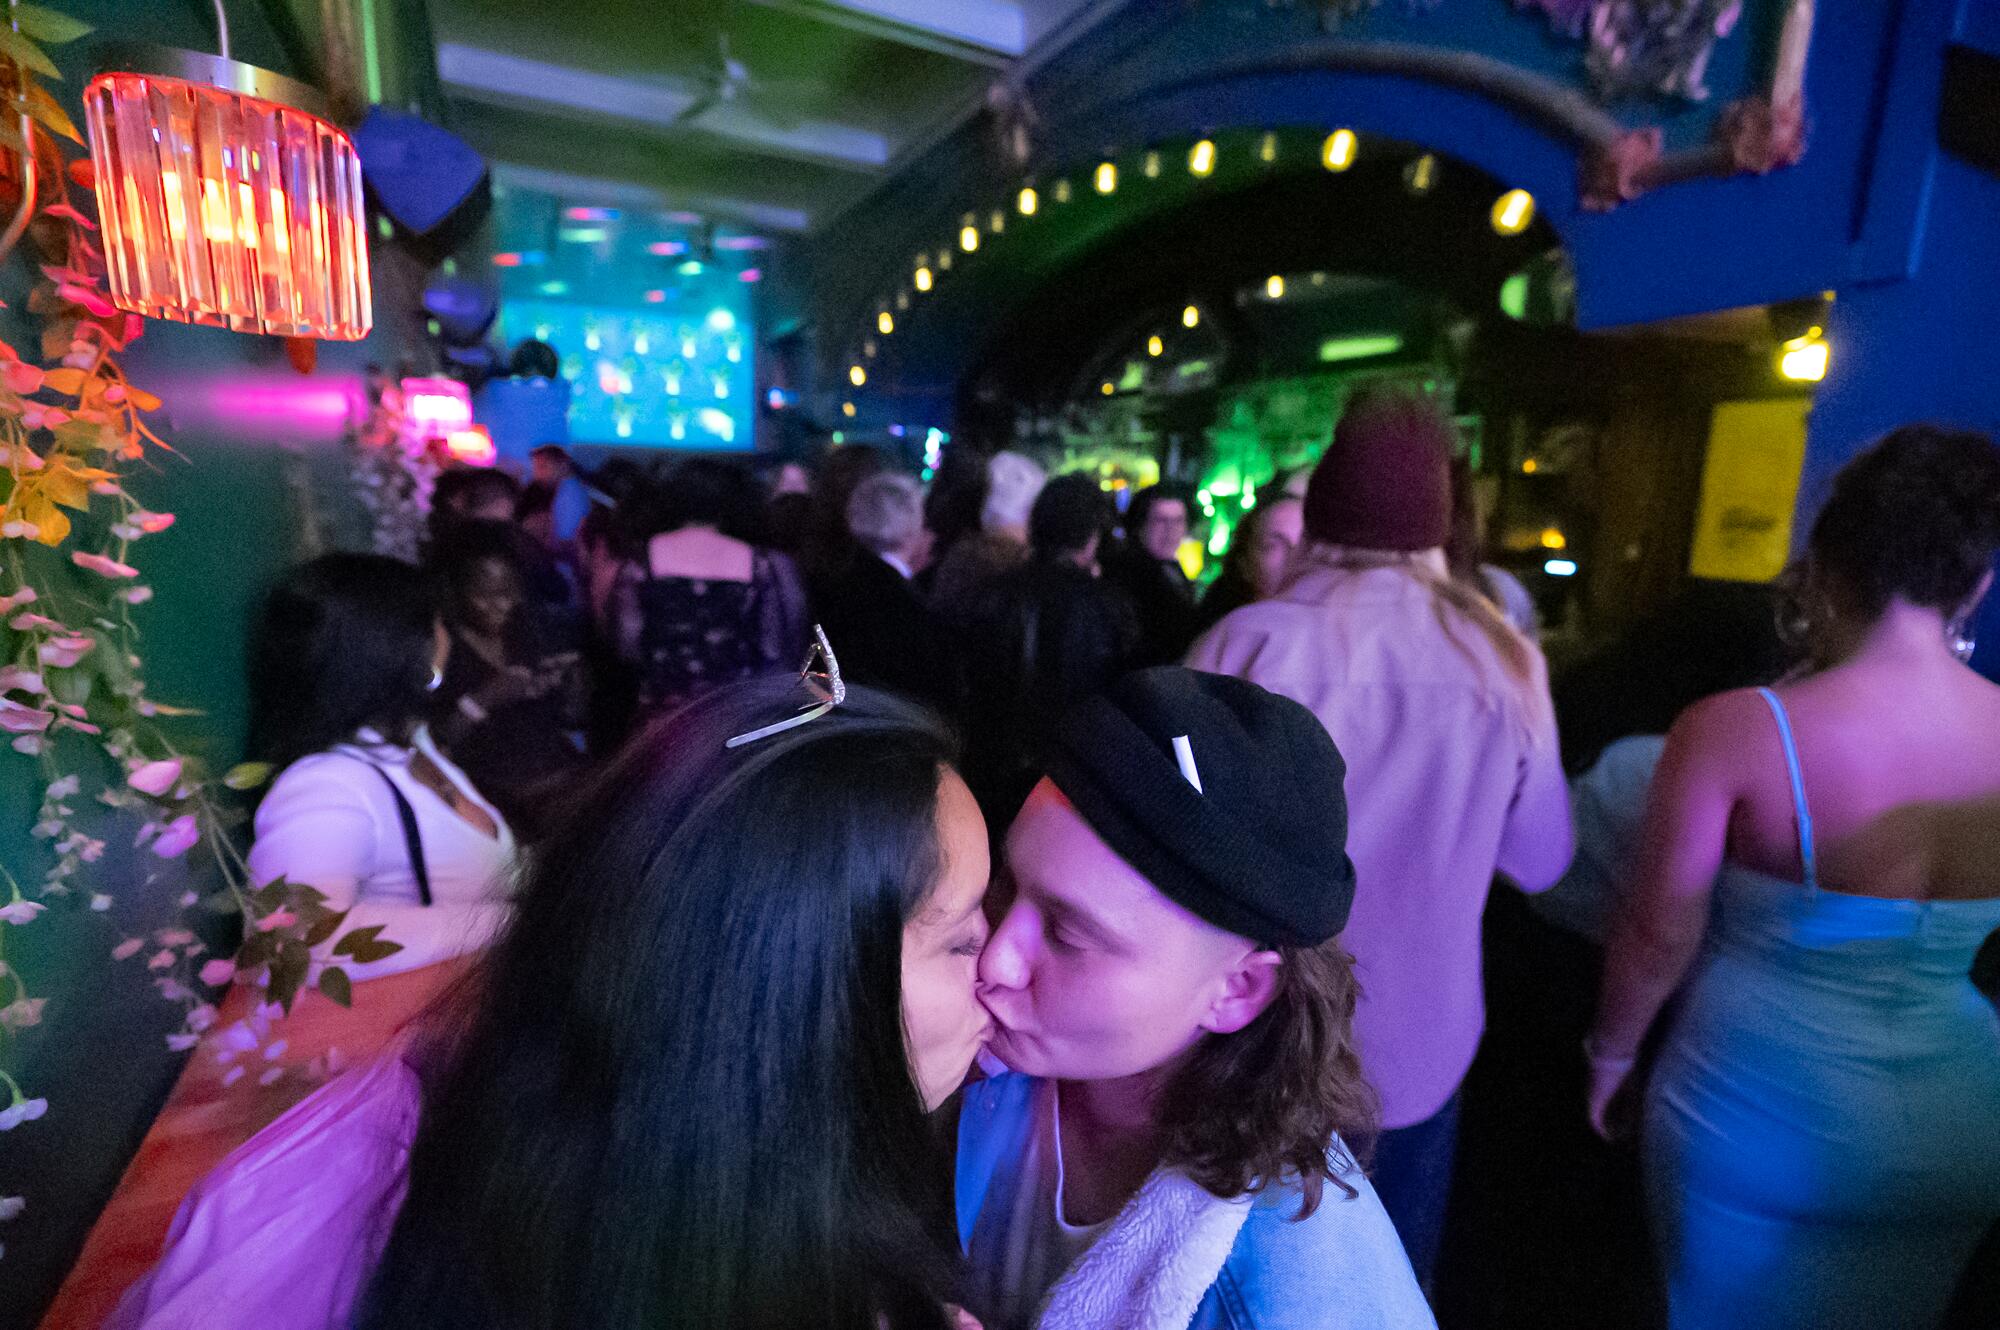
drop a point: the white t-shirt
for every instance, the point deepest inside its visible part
(330, 822)
(1018, 1259)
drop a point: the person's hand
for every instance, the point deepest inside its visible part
(1609, 1088)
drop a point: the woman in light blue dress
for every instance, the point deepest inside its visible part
(1820, 865)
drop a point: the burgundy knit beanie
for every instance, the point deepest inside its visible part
(1385, 483)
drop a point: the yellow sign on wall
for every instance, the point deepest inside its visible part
(1749, 488)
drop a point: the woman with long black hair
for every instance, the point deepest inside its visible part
(688, 1087)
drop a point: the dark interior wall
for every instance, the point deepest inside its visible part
(249, 432)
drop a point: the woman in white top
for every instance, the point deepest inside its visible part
(367, 812)
(365, 809)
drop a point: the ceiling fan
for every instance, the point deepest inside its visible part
(728, 82)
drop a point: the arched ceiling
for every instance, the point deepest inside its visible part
(1025, 313)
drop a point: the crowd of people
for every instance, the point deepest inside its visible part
(1064, 947)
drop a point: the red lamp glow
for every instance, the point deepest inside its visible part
(473, 446)
(226, 199)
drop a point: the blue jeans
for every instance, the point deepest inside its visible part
(1412, 1175)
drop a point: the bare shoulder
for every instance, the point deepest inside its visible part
(1723, 720)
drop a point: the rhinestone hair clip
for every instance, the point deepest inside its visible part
(826, 685)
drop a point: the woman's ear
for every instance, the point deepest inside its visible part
(1246, 991)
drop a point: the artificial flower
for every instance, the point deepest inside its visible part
(177, 838)
(22, 1110)
(20, 911)
(155, 778)
(102, 565)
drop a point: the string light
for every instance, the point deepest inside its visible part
(857, 375)
(1804, 359)
(1421, 174)
(1337, 153)
(1152, 166)
(1267, 149)
(968, 238)
(997, 222)
(1513, 211)
(1062, 191)
(923, 279)
(1106, 178)
(1028, 201)
(1274, 287)
(847, 409)
(885, 323)
(944, 260)
(1154, 345)
(1190, 317)
(1107, 387)
(1201, 159)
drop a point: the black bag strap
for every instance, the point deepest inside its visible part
(413, 840)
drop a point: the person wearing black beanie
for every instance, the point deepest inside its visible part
(1172, 1139)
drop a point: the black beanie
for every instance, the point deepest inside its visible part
(1261, 849)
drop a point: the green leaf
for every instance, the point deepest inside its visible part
(43, 106)
(46, 25)
(334, 983)
(258, 949)
(24, 52)
(247, 775)
(71, 685)
(323, 927)
(360, 937)
(365, 945)
(288, 972)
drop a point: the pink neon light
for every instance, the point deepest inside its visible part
(590, 214)
(667, 248)
(436, 408)
(742, 243)
(750, 275)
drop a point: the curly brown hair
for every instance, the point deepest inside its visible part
(1266, 1103)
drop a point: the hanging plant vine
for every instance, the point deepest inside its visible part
(73, 696)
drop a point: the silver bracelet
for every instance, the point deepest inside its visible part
(471, 709)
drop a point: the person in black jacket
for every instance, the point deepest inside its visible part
(1038, 638)
(1146, 567)
(880, 627)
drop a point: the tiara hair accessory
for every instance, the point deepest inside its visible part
(825, 684)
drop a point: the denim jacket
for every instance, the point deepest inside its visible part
(1341, 1269)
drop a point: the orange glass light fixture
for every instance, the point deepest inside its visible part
(227, 198)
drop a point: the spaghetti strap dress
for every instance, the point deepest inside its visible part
(1822, 1130)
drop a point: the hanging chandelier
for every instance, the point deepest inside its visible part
(227, 198)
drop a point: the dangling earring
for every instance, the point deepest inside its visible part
(437, 679)
(1959, 634)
